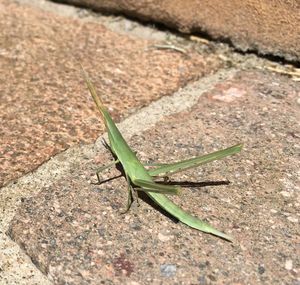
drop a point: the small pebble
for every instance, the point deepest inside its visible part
(288, 264)
(293, 219)
(285, 194)
(133, 283)
(202, 280)
(261, 269)
(164, 238)
(168, 270)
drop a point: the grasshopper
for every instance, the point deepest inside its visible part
(141, 179)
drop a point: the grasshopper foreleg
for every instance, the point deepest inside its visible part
(104, 167)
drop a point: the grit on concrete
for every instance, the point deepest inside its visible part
(72, 230)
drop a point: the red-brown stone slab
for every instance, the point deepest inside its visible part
(74, 232)
(45, 107)
(268, 27)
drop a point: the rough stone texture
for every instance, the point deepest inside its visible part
(268, 26)
(45, 107)
(74, 232)
(16, 267)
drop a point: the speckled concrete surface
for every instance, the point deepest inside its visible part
(45, 107)
(74, 232)
(16, 267)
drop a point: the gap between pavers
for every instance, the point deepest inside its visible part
(41, 60)
(114, 23)
(16, 267)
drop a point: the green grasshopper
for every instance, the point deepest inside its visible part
(141, 179)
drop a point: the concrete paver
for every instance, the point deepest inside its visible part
(45, 107)
(74, 233)
(67, 229)
(264, 26)
(16, 268)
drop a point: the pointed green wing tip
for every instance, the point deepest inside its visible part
(239, 147)
(217, 233)
(225, 236)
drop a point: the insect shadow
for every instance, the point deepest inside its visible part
(146, 198)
